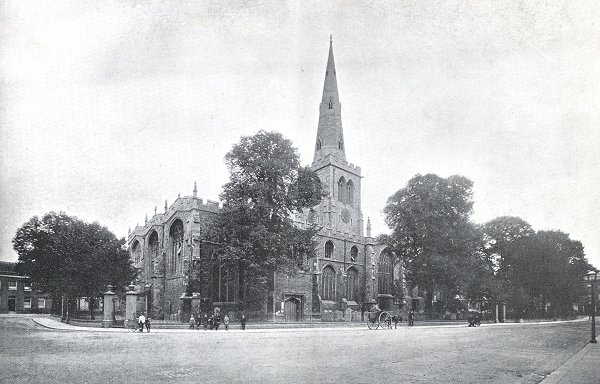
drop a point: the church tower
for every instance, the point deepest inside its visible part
(340, 210)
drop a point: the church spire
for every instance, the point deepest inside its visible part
(330, 135)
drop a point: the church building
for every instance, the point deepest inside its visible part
(350, 270)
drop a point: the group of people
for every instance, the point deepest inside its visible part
(209, 322)
(143, 321)
(213, 321)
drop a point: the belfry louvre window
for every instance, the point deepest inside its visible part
(328, 283)
(353, 253)
(350, 195)
(342, 189)
(328, 250)
(385, 274)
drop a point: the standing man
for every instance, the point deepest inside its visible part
(226, 322)
(243, 322)
(411, 318)
(141, 322)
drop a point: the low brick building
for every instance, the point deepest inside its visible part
(17, 295)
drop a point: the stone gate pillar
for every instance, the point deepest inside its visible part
(109, 308)
(130, 305)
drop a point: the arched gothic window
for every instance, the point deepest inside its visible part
(328, 283)
(342, 189)
(330, 103)
(350, 186)
(176, 235)
(328, 250)
(224, 286)
(319, 144)
(385, 271)
(352, 284)
(153, 251)
(353, 253)
(136, 252)
(341, 145)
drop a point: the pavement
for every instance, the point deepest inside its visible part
(581, 368)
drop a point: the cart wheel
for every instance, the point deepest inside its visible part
(385, 320)
(372, 324)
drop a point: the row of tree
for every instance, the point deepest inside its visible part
(503, 260)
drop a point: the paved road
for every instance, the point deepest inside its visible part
(515, 353)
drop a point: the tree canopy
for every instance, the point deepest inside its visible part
(255, 228)
(432, 231)
(65, 256)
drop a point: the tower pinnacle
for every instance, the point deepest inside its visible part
(330, 134)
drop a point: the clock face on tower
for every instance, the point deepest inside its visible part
(345, 215)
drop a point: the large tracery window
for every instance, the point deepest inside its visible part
(385, 271)
(328, 250)
(328, 283)
(224, 283)
(342, 189)
(136, 252)
(176, 234)
(350, 194)
(153, 251)
(352, 284)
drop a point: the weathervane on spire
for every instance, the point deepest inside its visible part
(331, 39)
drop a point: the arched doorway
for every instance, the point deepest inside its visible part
(292, 309)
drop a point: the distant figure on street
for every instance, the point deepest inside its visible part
(205, 321)
(147, 323)
(226, 322)
(141, 322)
(192, 322)
(217, 321)
(243, 322)
(411, 318)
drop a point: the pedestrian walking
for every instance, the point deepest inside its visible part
(147, 323)
(226, 322)
(192, 322)
(243, 322)
(141, 322)
(205, 321)
(411, 318)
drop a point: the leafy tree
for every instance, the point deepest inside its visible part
(431, 230)
(266, 186)
(69, 258)
(550, 267)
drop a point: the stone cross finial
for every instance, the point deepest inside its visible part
(155, 209)
(146, 219)
(165, 205)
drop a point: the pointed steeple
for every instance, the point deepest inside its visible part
(368, 226)
(166, 205)
(330, 134)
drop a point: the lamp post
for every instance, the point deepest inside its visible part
(592, 277)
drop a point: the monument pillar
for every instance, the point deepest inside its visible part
(109, 309)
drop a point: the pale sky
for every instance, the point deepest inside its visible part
(109, 108)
